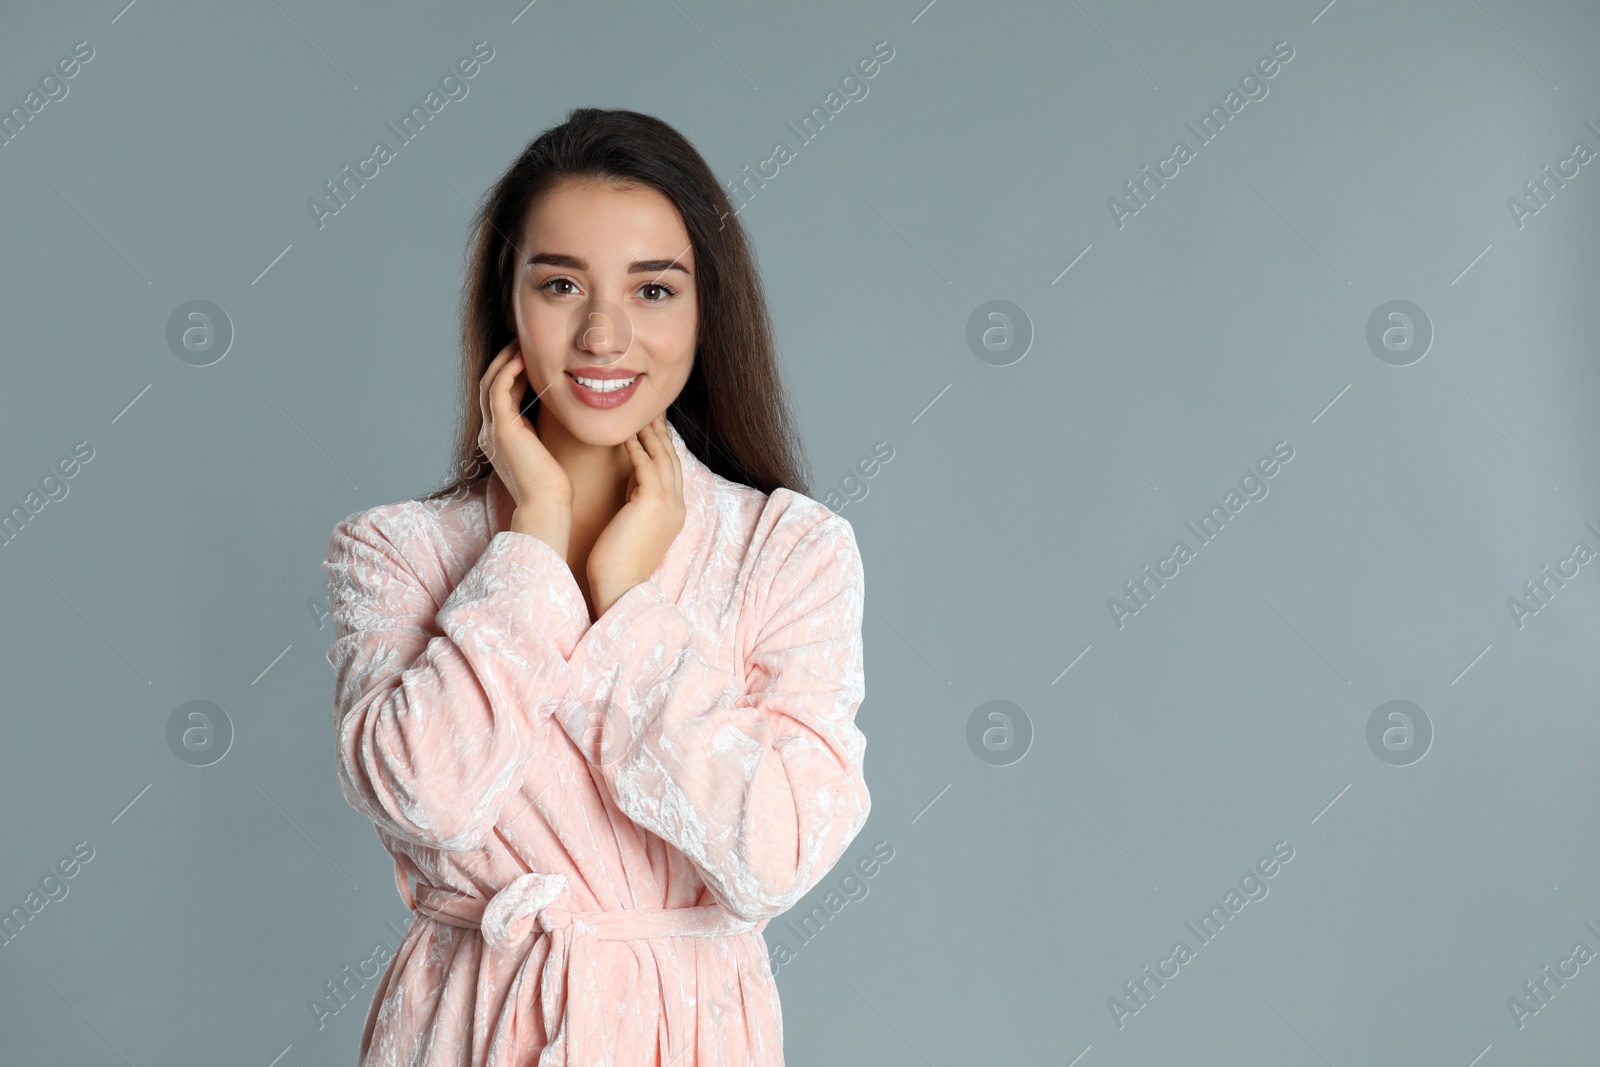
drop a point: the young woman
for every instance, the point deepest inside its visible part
(598, 693)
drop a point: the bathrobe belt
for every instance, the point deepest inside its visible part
(532, 902)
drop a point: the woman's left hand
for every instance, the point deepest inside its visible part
(636, 540)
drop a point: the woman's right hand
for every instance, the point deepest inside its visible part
(530, 474)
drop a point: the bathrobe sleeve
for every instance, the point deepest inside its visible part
(756, 779)
(438, 708)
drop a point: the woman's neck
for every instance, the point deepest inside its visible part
(598, 473)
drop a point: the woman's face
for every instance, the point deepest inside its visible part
(605, 296)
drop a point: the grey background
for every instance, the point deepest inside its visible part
(1229, 314)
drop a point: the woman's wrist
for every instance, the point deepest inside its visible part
(549, 521)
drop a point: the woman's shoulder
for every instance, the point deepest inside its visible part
(787, 548)
(464, 508)
(774, 525)
(421, 529)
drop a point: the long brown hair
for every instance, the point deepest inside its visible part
(732, 413)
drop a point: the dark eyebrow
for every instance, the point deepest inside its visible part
(638, 266)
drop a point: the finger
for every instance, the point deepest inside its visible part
(491, 407)
(674, 461)
(646, 436)
(486, 401)
(641, 461)
(660, 449)
(503, 408)
(490, 373)
(645, 470)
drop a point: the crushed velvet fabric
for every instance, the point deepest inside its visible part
(600, 817)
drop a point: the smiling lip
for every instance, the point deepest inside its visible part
(594, 398)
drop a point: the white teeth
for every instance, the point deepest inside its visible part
(606, 385)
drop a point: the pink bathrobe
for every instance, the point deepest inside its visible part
(600, 817)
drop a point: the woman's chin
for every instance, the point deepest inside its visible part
(603, 428)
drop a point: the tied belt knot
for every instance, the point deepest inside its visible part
(533, 902)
